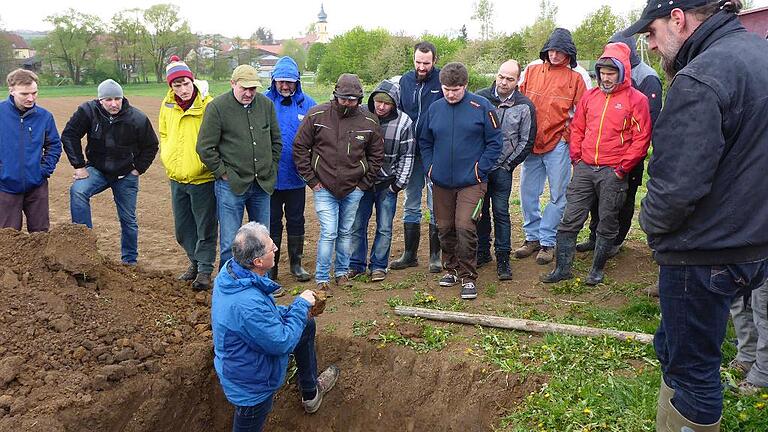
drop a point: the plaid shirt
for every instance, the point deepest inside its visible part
(399, 141)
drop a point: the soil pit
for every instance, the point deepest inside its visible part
(87, 344)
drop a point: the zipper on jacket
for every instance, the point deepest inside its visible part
(22, 147)
(600, 130)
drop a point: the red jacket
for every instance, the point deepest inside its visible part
(614, 128)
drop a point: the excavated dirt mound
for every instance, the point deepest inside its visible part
(88, 344)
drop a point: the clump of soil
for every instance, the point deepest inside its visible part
(88, 344)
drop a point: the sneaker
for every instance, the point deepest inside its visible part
(468, 290)
(190, 273)
(449, 280)
(527, 249)
(202, 282)
(483, 258)
(326, 287)
(325, 383)
(378, 275)
(352, 273)
(546, 255)
(343, 281)
(746, 388)
(741, 367)
(279, 293)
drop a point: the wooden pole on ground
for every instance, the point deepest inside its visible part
(519, 324)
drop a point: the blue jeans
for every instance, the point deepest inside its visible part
(554, 167)
(252, 418)
(230, 209)
(385, 202)
(412, 206)
(695, 303)
(124, 190)
(499, 189)
(336, 218)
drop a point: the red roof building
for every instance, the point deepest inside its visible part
(756, 20)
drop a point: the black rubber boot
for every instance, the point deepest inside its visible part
(411, 232)
(603, 247)
(587, 245)
(483, 258)
(272, 273)
(503, 269)
(295, 253)
(564, 252)
(435, 264)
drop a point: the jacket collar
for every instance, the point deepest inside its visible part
(21, 114)
(245, 276)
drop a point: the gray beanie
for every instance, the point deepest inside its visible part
(110, 89)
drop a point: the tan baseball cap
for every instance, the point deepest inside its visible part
(246, 76)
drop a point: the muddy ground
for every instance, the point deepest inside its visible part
(88, 344)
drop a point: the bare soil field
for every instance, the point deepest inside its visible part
(87, 344)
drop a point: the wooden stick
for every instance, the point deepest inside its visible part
(519, 324)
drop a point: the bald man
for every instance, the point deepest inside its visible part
(518, 124)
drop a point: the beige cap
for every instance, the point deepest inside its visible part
(246, 76)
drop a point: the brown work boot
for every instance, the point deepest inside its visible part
(343, 281)
(202, 282)
(190, 273)
(527, 249)
(326, 287)
(546, 255)
(325, 383)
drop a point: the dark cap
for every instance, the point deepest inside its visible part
(348, 87)
(659, 9)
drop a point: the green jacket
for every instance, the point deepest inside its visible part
(243, 143)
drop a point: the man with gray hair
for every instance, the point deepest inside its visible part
(121, 146)
(253, 336)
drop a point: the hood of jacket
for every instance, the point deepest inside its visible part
(229, 284)
(560, 40)
(618, 52)
(631, 42)
(392, 90)
(286, 67)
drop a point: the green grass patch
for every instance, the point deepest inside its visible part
(432, 338)
(363, 328)
(426, 300)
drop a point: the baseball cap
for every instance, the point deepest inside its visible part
(246, 76)
(659, 9)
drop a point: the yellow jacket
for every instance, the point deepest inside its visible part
(178, 138)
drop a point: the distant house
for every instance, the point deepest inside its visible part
(756, 20)
(21, 50)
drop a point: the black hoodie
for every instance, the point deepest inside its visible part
(707, 203)
(560, 40)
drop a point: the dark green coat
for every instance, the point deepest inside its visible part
(243, 143)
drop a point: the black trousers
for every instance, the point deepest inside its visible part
(627, 210)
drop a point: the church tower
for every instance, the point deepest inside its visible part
(322, 26)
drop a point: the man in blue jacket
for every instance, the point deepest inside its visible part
(460, 142)
(289, 197)
(253, 337)
(30, 150)
(706, 210)
(419, 89)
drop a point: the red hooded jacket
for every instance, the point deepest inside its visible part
(614, 128)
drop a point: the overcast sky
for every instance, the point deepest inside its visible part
(291, 18)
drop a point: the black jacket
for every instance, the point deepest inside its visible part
(116, 144)
(707, 201)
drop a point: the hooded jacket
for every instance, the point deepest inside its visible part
(178, 138)
(252, 336)
(30, 145)
(417, 96)
(644, 77)
(460, 142)
(399, 142)
(613, 128)
(555, 91)
(341, 151)
(116, 144)
(707, 203)
(290, 112)
(518, 126)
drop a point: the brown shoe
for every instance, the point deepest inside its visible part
(546, 255)
(202, 282)
(190, 273)
(527, 249)
(343, 281)
(378, 275)
(326, 287)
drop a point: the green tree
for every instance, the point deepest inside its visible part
(536, 35)
(351, 53)
(294, 50)
(447, 47)
(483, 14)
(73, 43)
(127, 33)
(315, 56)
(7, 62)
(166, 33)
(264, 35)
(595, 31)
(394, 58)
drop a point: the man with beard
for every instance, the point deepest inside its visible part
(610, 134)
(554, 86)
(338, 152)
(291, 104)
(419, 89)
(706, 210)
(121, 146)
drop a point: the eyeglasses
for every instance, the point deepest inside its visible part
(273, 250)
